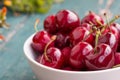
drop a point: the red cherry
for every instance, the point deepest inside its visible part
(66, 52)
(113, 30)
(40, 40)
(93, 18)
(90, 39)
(77, 54)
(50, 24)
(87, 26)
(67, 20)
(117, 26)
(117, 58)
(110, 39)
(103, 58)
(55, 58)
(62, 40)
(78, 34)
(67, 68)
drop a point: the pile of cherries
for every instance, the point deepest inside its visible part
(68, 43)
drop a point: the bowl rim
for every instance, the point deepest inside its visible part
(28, 42)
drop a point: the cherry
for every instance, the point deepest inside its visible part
(87, 26)
(55, 58)
(50, 24)
(67, 20)
(62, 40)
(67, 68)
(78, 34)
(93, 18)
(68, 44)
(117, 58)
(116, 25)
(66, 52)
(110, 39)
(77, 54)
(40, 39)
(103, 58)
(90, 39)
(113, 30)
(52, 56)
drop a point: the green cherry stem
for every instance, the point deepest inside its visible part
(53, 38)
(115, 18)
(98, 33)
(35, 25)
(99, 23)
(107, 23)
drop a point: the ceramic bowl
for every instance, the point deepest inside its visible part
(46, 73)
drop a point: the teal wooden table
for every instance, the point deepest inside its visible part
(13, 64)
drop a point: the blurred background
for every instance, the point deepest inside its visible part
(17, 18)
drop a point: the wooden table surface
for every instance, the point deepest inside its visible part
(13, 63)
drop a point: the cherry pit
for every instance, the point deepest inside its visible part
(73, 44)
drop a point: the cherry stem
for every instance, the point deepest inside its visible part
(99, 22)
(115, 18)
(98, 33)
(91, 31)
(35, 25)
(118, 65)
(107, 23)
(53, 38)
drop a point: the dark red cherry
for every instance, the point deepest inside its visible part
(110, 39)
(40, 40)
(67, 20)
(67, 68)
(117, 58)
(102, 58)
(78, 34)
(66, 53)
(50, 24)
(93, 18)
(62, 40)
(77, 54)
(54, 58)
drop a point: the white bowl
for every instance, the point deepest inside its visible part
(46, 73)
